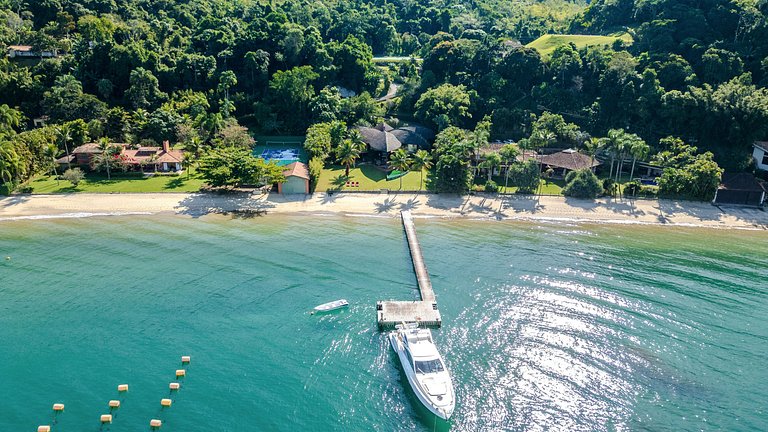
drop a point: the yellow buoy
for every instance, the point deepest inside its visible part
(155, 423)
(44, 428)
(180, 373)
(114, 404)
(7, 258)
(185, 359)
(174, 386)
(58, 407)
(122, 387)
(106, 418)
(165, 402)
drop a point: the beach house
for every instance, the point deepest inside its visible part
(26, 51)
(383, 139)
(296, 179)
(148, 159)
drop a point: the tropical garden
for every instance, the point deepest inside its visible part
(683, 87)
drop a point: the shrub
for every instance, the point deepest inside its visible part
(491, 186)
(608, 186)
(74, 175)
(525, 176)
(632, 188)
(649, 191)
(582, 184)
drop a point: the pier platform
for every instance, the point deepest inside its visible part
(424, 312)
(391, 313)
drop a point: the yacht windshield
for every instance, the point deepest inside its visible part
(429, 366)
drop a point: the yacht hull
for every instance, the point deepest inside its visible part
(444, 410)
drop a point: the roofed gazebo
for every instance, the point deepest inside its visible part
(384, 139)
(568, 160)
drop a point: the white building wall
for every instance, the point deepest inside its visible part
(758, 154)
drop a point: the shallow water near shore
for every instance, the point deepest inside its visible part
(547, 326)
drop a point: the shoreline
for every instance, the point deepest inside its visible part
(467, 207)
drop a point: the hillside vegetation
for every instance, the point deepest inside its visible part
(199, 72)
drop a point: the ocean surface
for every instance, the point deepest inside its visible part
(547, 327)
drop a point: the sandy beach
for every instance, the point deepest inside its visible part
(389, 205)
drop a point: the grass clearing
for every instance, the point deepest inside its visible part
(120, 182)
(546, 44)
(370, 179)
(547, 187)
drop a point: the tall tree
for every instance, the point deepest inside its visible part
(144, 91)
(401, 161)
(492, 160)
(10, 119)
(508, 153)
(639, 150)
(422, 160)
(107, 158)
(347, 153)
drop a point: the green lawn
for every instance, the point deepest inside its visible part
(119, 183)
(370, 179)
(548, 187)
(546, 44)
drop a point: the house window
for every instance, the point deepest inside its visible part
(765, 159)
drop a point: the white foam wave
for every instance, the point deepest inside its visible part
(77, 215)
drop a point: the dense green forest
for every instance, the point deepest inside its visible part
(199, 71)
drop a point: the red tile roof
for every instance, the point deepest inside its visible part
(149, 154)
(297, 169)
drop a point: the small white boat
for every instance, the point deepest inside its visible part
(424, 368)
(327, 307)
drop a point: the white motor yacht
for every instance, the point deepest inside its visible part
(424, 368)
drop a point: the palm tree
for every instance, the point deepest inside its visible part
(537, 140)
(401, 161)
(210, 123)
(347, 152)
(422, 160)
(65, 135)
(492, 160)
(592, 146)
(621, 150)
(194, 148)
(357, 140)
(106, 158)
(508, 155)
(639, 150)
(50, 152)
(9, 118)
(613, 143)
(541, 139)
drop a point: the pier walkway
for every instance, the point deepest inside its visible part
(425, 312)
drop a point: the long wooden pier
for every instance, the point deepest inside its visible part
(424, 312)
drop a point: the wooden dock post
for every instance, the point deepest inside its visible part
(424, 312)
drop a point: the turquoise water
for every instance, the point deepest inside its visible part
(547, 327)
